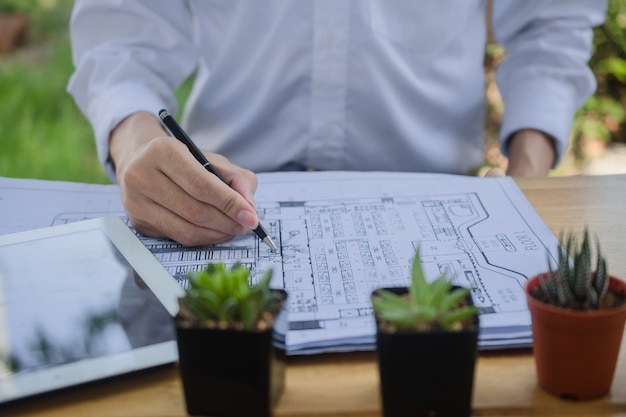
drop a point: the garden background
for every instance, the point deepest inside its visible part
(43, 135)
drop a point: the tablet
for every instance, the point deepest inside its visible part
(80, 302)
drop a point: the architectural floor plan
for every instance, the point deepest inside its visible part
(342, 235)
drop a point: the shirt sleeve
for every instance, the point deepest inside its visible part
(545, 78)
(128, 56)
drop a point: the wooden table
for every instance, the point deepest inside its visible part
(347, 384)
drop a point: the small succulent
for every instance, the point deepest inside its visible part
(221, 297)
(437, 305)
(575, 283)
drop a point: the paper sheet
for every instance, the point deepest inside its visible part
(342, 235)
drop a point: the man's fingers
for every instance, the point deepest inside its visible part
(168, 193)
(209, 190)
(156, 221)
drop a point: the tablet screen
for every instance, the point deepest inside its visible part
(73, 308)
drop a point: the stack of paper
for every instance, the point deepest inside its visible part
(344, 234)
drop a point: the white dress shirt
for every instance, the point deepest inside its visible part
(334, 84)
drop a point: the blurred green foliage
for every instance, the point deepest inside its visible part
(603, 117)
(46, 17)
(42, 132)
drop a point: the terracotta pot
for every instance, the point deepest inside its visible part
(426, 374)
(576, 351)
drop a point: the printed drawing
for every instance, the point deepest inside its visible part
(342, 235)
(335, 253)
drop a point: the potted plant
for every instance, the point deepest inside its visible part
(426, 342)
(228, 363)
(578, 313)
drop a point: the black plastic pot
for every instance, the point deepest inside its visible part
(427, 374)
(230, 373)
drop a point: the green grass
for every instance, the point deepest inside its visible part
(42, 132)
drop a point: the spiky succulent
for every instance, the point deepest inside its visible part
(580, 281)
(222, 297)
(426, 306)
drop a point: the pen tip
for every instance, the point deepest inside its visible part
(271, 244)
(163, 114)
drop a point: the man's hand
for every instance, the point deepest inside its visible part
(167, 193)
(531, 154)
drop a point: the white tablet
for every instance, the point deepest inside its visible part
(80, 302)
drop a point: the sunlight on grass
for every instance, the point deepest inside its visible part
(43, 133)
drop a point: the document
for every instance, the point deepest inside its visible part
(342, 235)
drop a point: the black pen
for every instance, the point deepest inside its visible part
(180, 134)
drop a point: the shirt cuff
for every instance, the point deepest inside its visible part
(527, 106)
(109, 109)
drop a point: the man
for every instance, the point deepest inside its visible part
(326, 84)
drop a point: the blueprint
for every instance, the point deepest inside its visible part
(342, 235)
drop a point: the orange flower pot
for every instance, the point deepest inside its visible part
(576, 351)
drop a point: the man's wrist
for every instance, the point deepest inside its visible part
(131, 132)
(531, 153)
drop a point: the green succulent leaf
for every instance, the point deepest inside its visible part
(419, 290)
(453, 298)
(601, 281)
(224, 295)
(575, 284)
(439, 289)
(428, 305)
(453, 317)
